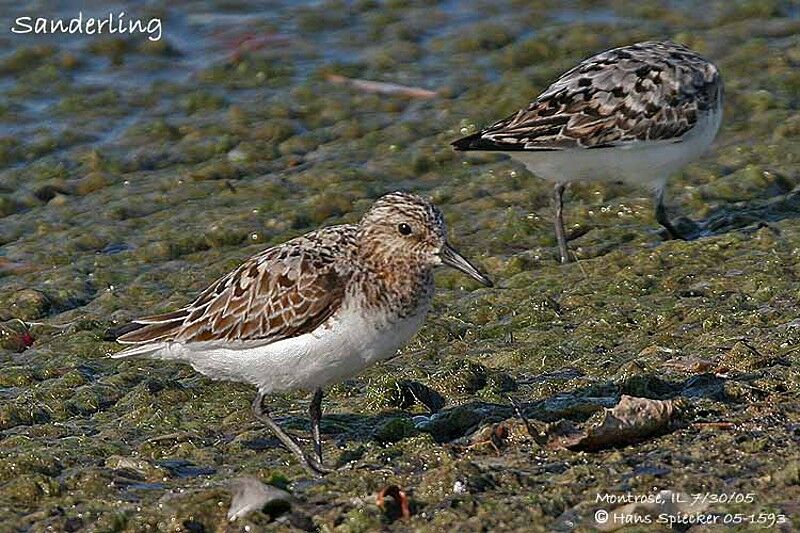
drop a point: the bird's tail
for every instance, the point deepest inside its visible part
(149, 336)
(148, 350)
(479, 142)
(470, 142)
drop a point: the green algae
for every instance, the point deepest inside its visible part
(130, 199)
(394, 429)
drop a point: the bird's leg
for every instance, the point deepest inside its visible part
(663, 218)
(315, 412)
(311, 464)
(558, 200)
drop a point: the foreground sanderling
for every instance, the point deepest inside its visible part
(635, 114)
(312, 311)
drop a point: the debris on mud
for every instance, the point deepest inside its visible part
(250, 494)
(631, 420)
(400, 498)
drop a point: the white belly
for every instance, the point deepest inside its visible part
(638, 163)
(340, 349)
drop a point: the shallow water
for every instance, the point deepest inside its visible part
(135, 173)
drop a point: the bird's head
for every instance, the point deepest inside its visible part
(404, 227)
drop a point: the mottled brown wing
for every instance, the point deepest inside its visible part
(283, 292)
(645, 92)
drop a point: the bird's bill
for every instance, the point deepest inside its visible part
(452, 258)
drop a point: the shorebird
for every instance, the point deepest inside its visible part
(635, 114)
(311, 311)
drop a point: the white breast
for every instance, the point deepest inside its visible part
(638, 163)
(347, 343)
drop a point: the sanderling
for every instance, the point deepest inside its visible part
(311, 311)
(635, 114)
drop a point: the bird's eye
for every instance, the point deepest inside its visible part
(404, 228)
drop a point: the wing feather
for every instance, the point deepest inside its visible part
(282, 292)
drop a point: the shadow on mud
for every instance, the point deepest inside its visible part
(747, 216)
(459, 421)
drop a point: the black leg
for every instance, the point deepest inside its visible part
(315, 412)
(311, 464)
(663, 218)
(558, 200)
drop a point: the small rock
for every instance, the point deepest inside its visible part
(250, 494)
(453, 424)
(394, 430)
(25, 304)
(137, 467)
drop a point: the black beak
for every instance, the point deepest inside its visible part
(452, 258)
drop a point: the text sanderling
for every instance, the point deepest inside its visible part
(113, 23)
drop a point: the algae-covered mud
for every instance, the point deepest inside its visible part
(135, 172)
